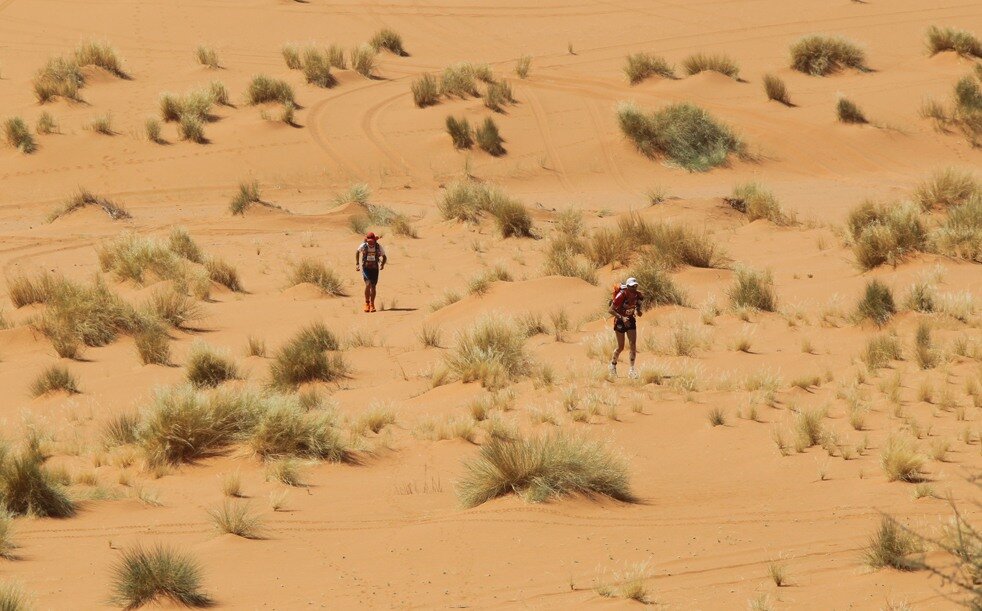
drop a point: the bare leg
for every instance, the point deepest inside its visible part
(371, 291)
(632, 338)
(368, 291)
(620, 347)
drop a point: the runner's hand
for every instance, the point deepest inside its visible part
(357, 268)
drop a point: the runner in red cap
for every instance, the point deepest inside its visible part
(370, 259)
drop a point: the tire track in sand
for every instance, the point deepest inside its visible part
(542, 122)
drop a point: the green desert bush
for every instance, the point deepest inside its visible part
(219, 93)
(59, 77)
(703, 62)
(758, 203)
(946, 189)
(144, 575)
(753, 289)
(885, 233)
(364, 60)
(488, 138)
(17, 135)
(27, 487)
(891, 547)
(264, 89)
(55, 377)
(848, 112)
(492, 351)
(877, 304)
(776, 90)
(539, 468)
(315, 272)
(389, 40)
(685, 133)
(303, 359)
(822, 55)
(101, 54)
(961, 42)
(209, 367)
(285, 429)
(247, 195)
(426, 91)
(641, 66)
(460, 132)
(82, 198)
(207, 57)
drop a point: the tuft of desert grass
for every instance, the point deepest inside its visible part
(778, 572)
(286, 471)
(172, 307)
(219, 93)
(959, 235)
(46, 124)
(374, 419)
(822, 55)
(191, 128)
(717, 62)
(880, 350)
(209, 367)
(776, 90)
(759, 203)
(848, 112)
(488, 138)
(223, 273)
(924, 352)
(54, 378)
(891, 547)
(364, 60)
(207, 57)
(13, 598)
(498, 95)
(317, 273)
(459, 80)
(27, 487)
(426, 91)
(642, 66)
(153, 345)
(900, 460)
(102, 124)
(144, 575)
(753, 289)
(885, 233)
(7, 542)
(120, 429)
(538, 468)
(263, 89)
(656, 283)
(390, 40)
(247, 195)
(961, 42)
(669, 245)
(100, 54)
(18, 135)
(808, 427)
(316, 67)
(685, 133)
(152, 129)
(492, 352)
(59, 77)
(469, 200)
(460, 132)
(236, 518)
(303, 359)
(946, 189)
(877, 304)
(291, 56)
(716, 416)
(181, 242)
(82, 198)
(523, 66)
(429, 337)
(285, 429)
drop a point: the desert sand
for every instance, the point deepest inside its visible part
(717, 506)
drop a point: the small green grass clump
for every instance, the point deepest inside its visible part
(208, 367)
(877, 304)
(488, 138)
(758, 203)
(641, 66)
(390, 40)
(538, 468)
(491, 352)
(685, 133)
(303, 359)
(315, 272)
(460, 132)
(702, 62)
(822, 55)
(753, 289)
(961, 42)
(264, 89)
(885, 233)
(848, 112)
(55, 377)
(152, 128)
(316, 67)
(426, 91)
(12, 598)
(142, 576)
(892, 547)
(18, 135)
(776, 90)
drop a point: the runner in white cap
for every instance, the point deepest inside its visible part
(625, 306)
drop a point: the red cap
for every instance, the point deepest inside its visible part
(371, 237)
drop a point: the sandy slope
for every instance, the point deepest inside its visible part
(718, 504)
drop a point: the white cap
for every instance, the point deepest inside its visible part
(631, 282)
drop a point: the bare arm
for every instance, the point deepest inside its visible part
(357, 259)
(382, 261)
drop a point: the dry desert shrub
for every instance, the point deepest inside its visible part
(460, 132)
(758, 203)
(207, 57)
(316, 67)
(538, 468)
(208, 367)
(946, 189)
(877, 304)
(716, 416)
(102, 124)
(566, 253)
(153, 345)
(59, 77)
(264, 89)
(82, 198)
(236, 518)
(223, 273)
(54, 378)
(469, 200)
(390, 40)
(17, 135)
(317, 273)
(459, 80)
(655, 282)
(900, 460)
(46, 123)
(426, 91)
(13, 598)
(144, 575)
(685, 133)
(924, 352)
(848, 112)
(885, 233)
(703, 62)
(152, 128)
(488, 138)
(101, 54)
(959, 235)
(27, 487)
(7, 542)
(961, 42)
(172, 307)
(776, 90)
(291, 56)
(641, 66)
(672, 245)
(523, 66)
(284, 429)
(498, 95)
(303, 359)
(181, 243)
(492, 352)
(480, 284)
(374, 419)
(753, 289)
(364, 60)
(133, 257)
(247, 195)
(880, 350)
(822, 55)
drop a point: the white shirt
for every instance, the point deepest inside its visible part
(367, 258)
